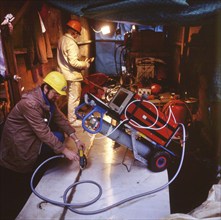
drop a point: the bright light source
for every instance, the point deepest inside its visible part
(104, 30)
(133, 28)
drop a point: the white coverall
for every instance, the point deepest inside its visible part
(69, 63)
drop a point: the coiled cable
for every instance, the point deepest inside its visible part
(74, 206)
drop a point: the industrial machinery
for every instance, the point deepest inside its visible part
(139, 126)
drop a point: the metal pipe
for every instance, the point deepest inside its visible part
(125, 139)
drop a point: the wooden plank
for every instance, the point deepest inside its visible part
(21, 12)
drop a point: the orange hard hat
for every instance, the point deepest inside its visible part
(75, 25)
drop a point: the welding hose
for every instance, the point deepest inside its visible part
(150, 127)
(64, 204)
(177, 102)
(136, 125)
(72, 207)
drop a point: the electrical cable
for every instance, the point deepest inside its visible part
(177, 102)
(137, 125)
(63, 204)
(145, 127)
(72, 207)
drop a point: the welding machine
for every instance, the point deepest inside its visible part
(141, 127)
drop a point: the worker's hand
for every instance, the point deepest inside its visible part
(71, 155)
(89, 60)
(80, 145)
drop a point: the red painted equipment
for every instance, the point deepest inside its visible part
(182, 113)
(155, 89)
(148, 116)
(142, 127)
(93, 84)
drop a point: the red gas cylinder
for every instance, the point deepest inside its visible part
(180, 111)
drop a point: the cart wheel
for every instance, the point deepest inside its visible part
(159, 161)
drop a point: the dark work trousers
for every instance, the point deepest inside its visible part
(15, 187)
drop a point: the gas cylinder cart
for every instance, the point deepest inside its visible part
(141, 127)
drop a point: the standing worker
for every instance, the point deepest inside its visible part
(71, 65)
(28, 137)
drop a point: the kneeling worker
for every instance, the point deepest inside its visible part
(27, 136)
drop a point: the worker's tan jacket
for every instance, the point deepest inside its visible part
(69, 60)
(26, 128)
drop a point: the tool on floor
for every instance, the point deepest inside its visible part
(83, 159)
(142, 128)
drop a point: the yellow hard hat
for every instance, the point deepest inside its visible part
(57, 81)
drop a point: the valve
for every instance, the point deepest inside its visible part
(93, 122)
